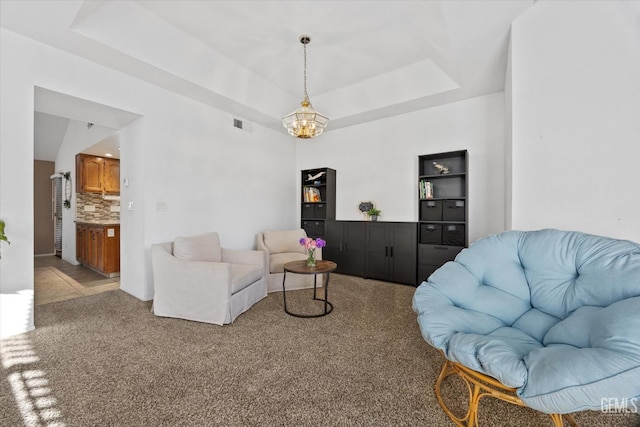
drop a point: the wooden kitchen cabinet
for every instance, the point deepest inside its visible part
(90, 173)
(112, 176)
(98, 247)
(97, 175)
(80, 244)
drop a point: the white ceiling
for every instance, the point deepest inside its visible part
(54, 111)
(48, 133)
(367, 59)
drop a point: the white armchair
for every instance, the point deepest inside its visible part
(196, 279)
(281, 247)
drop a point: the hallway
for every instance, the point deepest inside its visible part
(58, 280)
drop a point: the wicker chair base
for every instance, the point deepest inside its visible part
(478, 386)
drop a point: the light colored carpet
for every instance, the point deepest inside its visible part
(106, 360)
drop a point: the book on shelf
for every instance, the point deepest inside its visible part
(426, 190)
(312, 195)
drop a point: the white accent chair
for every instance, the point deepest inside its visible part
(194, 278)
(281, 247)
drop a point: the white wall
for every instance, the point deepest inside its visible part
(378, 161)
(508, 143)
(210, 175)
(16, 209)
(576, 118)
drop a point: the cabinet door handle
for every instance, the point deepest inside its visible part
(386, 251)
(340, 246)
(391, 251)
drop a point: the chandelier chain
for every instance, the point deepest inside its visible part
(305, 70)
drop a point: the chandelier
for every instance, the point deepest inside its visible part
(305, 122)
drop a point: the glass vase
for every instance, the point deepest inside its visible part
(311, 257)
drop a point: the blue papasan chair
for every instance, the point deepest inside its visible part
(546, 319)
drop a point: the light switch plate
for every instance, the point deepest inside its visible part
(89, 208)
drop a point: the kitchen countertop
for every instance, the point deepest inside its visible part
(96, 222)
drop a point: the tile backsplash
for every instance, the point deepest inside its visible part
(92, 207)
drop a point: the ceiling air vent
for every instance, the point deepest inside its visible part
(237, 123)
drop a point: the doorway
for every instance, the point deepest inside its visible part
(63, 127)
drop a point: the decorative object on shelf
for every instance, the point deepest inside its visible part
(315, 177)
(373, 214)
(442, 169)
(310, 245)
(365, 206)
(3, 237)
(305, 122)
(67, 190)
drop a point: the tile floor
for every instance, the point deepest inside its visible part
(58, 280)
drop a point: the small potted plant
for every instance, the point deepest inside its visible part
(373, 214)
(3, 237)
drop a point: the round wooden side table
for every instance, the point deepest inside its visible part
(301, 267)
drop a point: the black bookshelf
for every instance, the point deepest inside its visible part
(318, 199)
